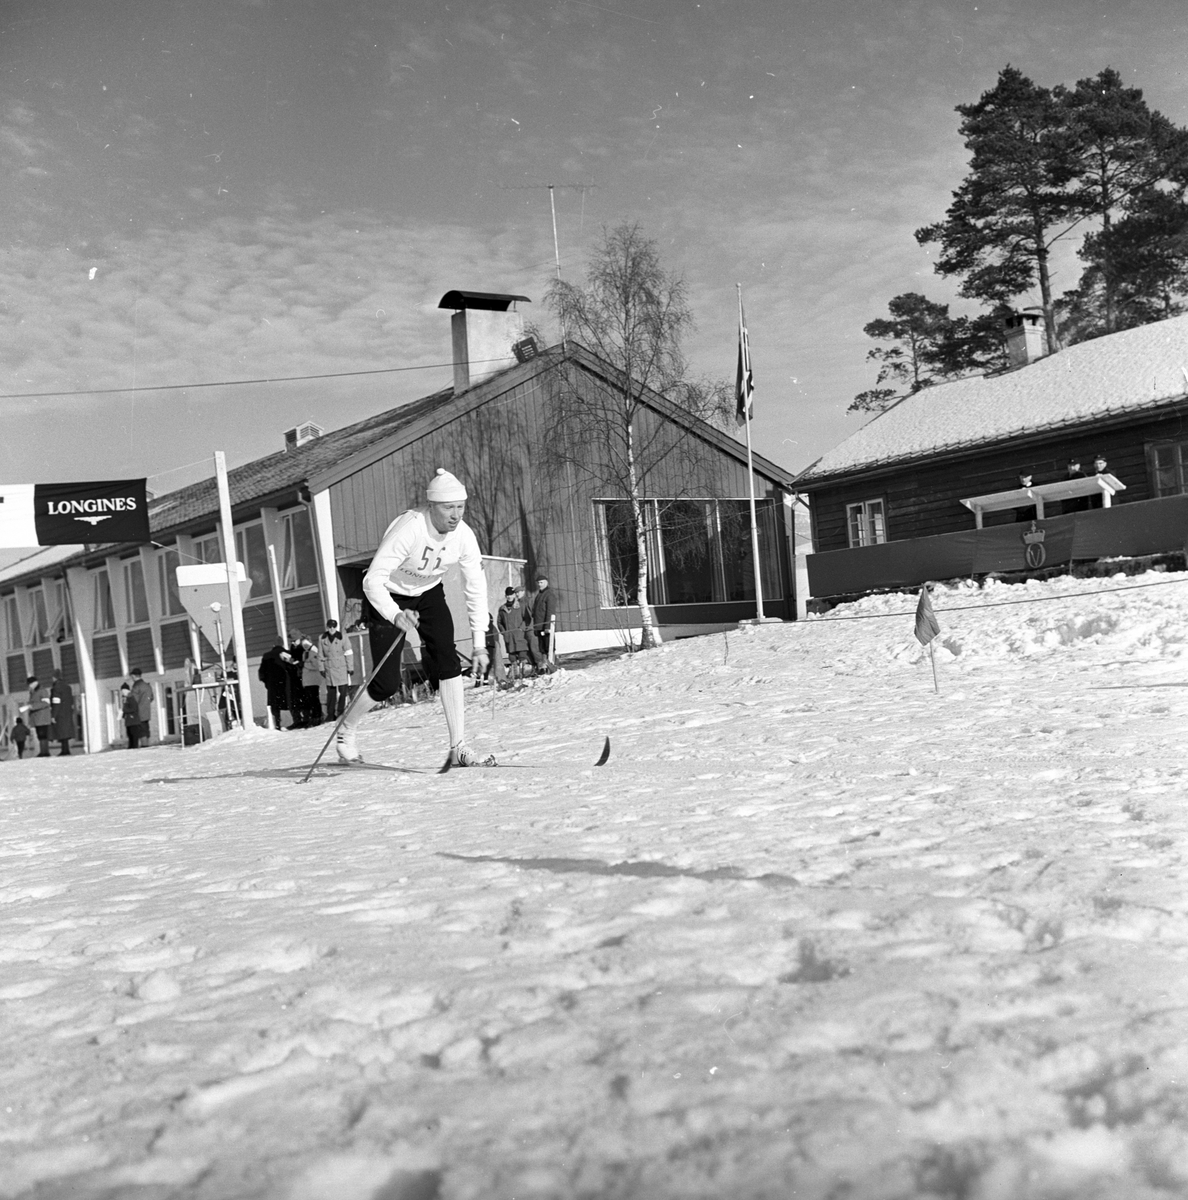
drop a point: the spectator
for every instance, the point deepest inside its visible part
(512, 625)
(338, 666)
(296, 690)
(62, 713)
(1077, 503)
(142, 695)
(273, 673)
(312, 675)
(40, 714)
(130, 712)
(1025, 514)
(1099, 468)
(19, 735)
(544, 609)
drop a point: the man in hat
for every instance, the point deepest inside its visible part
(542, 615)
(403, 585)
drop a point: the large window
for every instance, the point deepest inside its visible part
(208, 549)
(250, 549)
(135, 596)
(171, 603)
(299, 564)
(866, 522)
(699, 551)
(104, 609)
(39, 633)
(12, 624)
(1169, 468)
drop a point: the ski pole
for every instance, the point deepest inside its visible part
(346, 712)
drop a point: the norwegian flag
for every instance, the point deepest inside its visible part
(744, 383)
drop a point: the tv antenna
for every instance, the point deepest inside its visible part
(573, 187)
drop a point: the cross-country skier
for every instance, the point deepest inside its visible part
(404, 587)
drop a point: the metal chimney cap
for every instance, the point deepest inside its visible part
(491, 301)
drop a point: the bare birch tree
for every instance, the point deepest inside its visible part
(633, 315)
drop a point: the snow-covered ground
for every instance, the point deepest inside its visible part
(814, 931)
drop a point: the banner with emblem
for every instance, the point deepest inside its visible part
(69, 514)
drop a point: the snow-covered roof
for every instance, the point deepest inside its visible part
(1125, 372)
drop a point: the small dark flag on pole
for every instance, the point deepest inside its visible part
(927, 626)
(744, 382)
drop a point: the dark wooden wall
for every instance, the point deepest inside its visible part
(524, 502)
(924, 499)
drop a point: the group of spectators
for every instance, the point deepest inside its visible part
(526, 630)
(294, 677)
(50, 718)
(1073, 505)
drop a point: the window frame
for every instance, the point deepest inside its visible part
(133, 569)
(867, 534)
(104, 601)
(1180, 465)
(168, 560)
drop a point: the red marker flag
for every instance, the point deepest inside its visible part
(926, 623)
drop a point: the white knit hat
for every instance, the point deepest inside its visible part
(445, 488)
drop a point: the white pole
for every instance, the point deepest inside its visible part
(556, 244)
(246, 714)
(274, 575)
(751, 483)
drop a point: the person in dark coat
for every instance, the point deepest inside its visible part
(20, 735)
(544, 609)
(38, 710)
(273, 673)
(297, 706)
(62, 710)
(130, 712)
(1100, 467)
(1077, 503)
(511, 621)
(142, 696)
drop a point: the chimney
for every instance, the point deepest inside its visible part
(1025, 338)
(484, 333)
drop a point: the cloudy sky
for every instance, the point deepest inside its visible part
(196, 191)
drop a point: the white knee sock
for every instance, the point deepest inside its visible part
(453, 701)
(363, 705)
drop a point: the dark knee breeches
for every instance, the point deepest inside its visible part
(436, 631)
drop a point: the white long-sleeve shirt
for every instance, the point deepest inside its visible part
(413, 557)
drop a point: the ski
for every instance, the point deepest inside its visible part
(601, 761)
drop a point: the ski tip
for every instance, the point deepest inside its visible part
(605, 755)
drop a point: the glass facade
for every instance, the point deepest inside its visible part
(699, 551)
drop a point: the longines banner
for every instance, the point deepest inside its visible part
(69, 514)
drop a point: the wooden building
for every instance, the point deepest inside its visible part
(931, 488)
(308, 518)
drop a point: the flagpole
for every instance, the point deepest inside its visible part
(932, 655)
(751, 480)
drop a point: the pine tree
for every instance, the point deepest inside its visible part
(928, 346)
(1124, 152)
(1016, 200)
